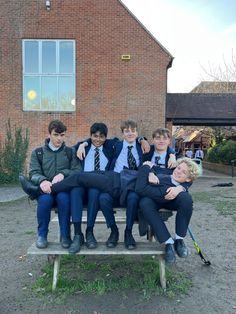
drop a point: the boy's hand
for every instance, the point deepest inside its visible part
(152, 178)
(145, 146)
(81, 151)
(172, 161)
(59, 177)
(148, 163)
(173, 192)
(45, 186)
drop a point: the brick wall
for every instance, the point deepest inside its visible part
(107, 89)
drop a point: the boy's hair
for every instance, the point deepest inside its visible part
(161, 131)
(193, 168)
(99, 127)
(57, 126)
(128, 124)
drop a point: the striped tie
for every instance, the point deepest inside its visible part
(131, 160)
(96, 159)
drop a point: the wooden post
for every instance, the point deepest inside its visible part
(162, 271)
(56, 271)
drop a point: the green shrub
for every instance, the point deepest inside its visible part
(13, 154)
(223, 152)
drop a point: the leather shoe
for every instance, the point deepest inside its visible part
(65, 242)
(130, 243)
(91, 242)
(41, 242)
(170, 254)
(181, 248)
(76, 244)
(113, 239)
(28, 187)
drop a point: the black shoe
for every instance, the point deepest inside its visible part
(170, 254)
(181, 248)
(29, 188)
(91, 242)
(65, 242)
(113, 239)
(130, 243)
(76, 244)
(41, 242)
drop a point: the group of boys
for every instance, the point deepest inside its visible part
(105, 173)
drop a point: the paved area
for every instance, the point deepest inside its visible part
(12, 193)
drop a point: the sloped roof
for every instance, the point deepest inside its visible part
(208, 106)
(149, 33)
(215, 87)
(192, 136)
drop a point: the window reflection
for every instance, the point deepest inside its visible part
(48, 77)
(31, 57)
(31, 93)
(49, 93)
(66, 57)
(49, 57)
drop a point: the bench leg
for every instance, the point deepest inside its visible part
(56, 268)
(162, 271)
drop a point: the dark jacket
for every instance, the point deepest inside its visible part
(53, 163)
(118, 148)
(108, 150)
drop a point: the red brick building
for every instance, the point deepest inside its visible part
(63, 59)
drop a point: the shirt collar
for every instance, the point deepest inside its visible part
(126, 144)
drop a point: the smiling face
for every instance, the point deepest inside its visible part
(181, 173)
(57, 139)
(130, 135)
(98, 139)
(161, 143)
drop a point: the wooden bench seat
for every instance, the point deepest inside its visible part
(55, 251)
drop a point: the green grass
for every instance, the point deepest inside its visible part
(101, 275)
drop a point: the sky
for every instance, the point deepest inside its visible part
(199, 34)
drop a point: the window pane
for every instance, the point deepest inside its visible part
(66, 94)
(49, 93)
(31, 93)
(49, 57)
(66, 57)
(31, 55)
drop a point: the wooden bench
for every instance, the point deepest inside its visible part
(54, 250)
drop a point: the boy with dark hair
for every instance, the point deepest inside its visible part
(97, 157)
(52, 166)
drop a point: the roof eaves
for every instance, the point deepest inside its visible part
(149, 33)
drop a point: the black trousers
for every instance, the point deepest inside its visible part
(183, 204)
(104, 181)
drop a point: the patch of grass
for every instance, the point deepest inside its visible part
(30, 232)
(100, 275)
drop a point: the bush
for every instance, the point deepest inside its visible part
(222, 153)
(13, 154)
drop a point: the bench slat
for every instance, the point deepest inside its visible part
(143, 248)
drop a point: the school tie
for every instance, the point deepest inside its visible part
(131, 160)
(96, 159)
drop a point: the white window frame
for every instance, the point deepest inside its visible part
(40, 74)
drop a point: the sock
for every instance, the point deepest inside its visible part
(77, 228)
(169, 241)
(178, 237)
